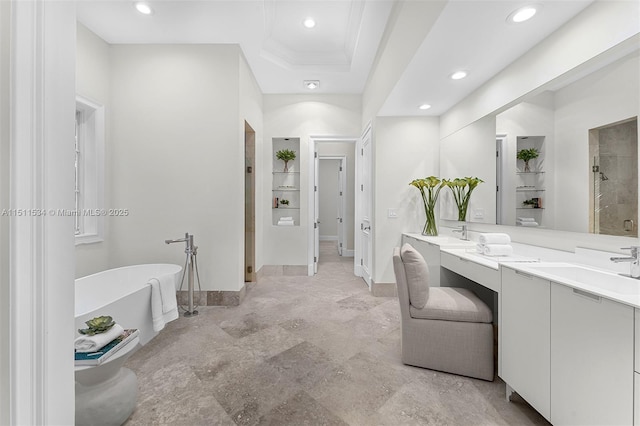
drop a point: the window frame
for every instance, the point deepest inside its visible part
(90, 119)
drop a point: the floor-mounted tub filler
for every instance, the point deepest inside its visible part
(106, 394)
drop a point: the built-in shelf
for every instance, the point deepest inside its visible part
(529, 208)
(285, 190)
(530, 173)
(285, 185)
(286, 208)
(529, 190)
(285, 173)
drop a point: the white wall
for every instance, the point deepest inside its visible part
(5, 84)
(300, 116)
(471, 152)
(347, 150)
(405, 148)
(92, 81)
(178, 157)
(599, 99)
(328, 193)
(569, 47)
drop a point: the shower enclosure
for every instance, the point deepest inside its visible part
(613, 153)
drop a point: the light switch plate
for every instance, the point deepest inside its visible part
(478, 213)
(392, 213)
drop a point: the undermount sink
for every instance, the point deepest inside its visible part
(445, 241)
(599, 279)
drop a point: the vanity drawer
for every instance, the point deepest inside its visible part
(487, 277)
(636, 363)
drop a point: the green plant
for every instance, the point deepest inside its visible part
(461, 188)
(284, 202)
(97, 325)
(429, 190)
(286, 155)
(527, 154)
(530, 202)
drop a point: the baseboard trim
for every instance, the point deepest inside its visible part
(328, 238)
(213, 297)
(383, 289)
(348, 253)
(283, 270)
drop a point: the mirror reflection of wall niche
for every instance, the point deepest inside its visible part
(613, 150)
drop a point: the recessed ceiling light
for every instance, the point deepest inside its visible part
(309, 23)
(458, 75)
(523, 14)
(143, 8)
(424, 106)
(311, 84)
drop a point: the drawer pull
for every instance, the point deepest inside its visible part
(587, 295)
(464, 260)
(524, 275)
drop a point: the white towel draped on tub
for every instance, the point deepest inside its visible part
(164, 305)
(93, 343)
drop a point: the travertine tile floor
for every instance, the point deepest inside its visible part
(305, 351)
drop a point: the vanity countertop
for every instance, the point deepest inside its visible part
(443, 240)
(492, 262)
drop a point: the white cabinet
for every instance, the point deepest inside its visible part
(525, 337)
(483, 275)
(636, 400)
(431, 254)
(591, 359)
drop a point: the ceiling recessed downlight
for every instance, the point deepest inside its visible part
(309, 23)
(312, 84)
(523, 14)
(424, 106)
(458, 75)
(143, 8)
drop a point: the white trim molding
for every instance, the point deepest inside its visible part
(42, 105)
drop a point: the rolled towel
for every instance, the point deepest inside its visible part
(96, 342)
(526, 219)
(480, 248)
(498, 250)
(529, 224)
(285, 223)
(287, 218)
(494, 238)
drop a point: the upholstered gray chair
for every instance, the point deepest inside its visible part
(443, 328)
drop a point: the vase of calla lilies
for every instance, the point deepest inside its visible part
(461, 189)
(429, 190)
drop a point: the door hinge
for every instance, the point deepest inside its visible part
(315, 188)
(497, 188)
(362, 151)
(249, 269)
(340, 244)
(361, 187)
(340, 220)
(361, 262)
(315, 225)
(340, 168)
(315, 259)
(497, 153)
(362, 226)
(341, 193)
(249, 169)
(315, 155)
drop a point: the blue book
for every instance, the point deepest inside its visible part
(107, 351)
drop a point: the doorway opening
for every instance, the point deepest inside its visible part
(249, 203)
(332, 196)
(342, 150)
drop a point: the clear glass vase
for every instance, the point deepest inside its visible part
(430, 225)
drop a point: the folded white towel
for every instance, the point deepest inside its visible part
(164, 305)
(526, 219)
(529, 224)
(494, 238)
(290, 218)
(498, 250)
(94, 343)
(285, 223)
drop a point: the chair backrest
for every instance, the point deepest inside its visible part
(401, 283)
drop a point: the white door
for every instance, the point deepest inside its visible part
(365, 207)
(316, 215)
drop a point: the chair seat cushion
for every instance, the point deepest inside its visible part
(417, 273)
(453, 304)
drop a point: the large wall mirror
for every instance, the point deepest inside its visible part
(582, 132)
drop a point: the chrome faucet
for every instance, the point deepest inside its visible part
(463, 232)
(634, 259)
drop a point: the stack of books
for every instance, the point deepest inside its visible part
(107, 351)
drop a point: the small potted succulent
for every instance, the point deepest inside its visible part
(97, 325)
(527, 155)
(286, 155)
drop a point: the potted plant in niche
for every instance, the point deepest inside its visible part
(429, 190)
(461, 188)
(286, 155)
(527, 155)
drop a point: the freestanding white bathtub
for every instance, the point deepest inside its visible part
(122, 293)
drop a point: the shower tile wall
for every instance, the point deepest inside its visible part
(618, 159)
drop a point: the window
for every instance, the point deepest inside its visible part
(89, 171)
